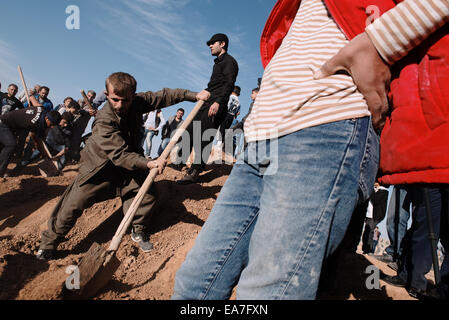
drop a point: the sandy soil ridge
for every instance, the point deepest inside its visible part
(26, 202)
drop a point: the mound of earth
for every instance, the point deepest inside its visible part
(26, 202)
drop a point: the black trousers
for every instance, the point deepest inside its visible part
(201, 133)
(12, 141)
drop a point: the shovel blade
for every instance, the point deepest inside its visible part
(47, 168)
(94, 273)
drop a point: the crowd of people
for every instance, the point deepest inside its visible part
(323, 127)
(66, 137)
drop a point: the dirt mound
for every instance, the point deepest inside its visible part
(26, 202)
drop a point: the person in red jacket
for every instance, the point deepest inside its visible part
(312, 152)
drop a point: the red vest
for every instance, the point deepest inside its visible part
(415, 140)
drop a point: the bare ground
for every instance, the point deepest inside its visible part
(26, 202)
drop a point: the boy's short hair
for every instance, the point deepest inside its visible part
(74, 104)
(122, 83)
(255, 90)
(68, 98)
(44, 87)
(54, 117)
(67, 116)
(181, 109)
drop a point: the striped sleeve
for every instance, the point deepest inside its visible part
(405, 26)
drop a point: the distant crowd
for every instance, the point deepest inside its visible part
(68, 130)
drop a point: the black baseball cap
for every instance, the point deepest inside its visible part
(219, 37)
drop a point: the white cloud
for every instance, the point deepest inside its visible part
(156, 31)
(8, 67)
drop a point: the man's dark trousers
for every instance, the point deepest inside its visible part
(226, 124)
(8, 140)
(12, 141)
(197, 144)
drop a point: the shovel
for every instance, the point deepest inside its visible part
(98, 265)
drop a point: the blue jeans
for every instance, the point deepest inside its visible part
(398, 215)
(240, 142)
(284, 208)
(149, 134)
(164, 144)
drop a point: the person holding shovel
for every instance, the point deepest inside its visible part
(212, 114)
(14, 129)
(112, 163)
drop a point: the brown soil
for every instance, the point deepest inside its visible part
(26, 202)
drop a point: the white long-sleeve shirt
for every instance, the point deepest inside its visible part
(151, 121)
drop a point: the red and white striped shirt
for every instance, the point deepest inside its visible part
(290, 99)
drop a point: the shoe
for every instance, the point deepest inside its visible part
(44, 254)
(190, 177)
(393, 265)
(393, 280)
(142, 240)
(18, 168)
(385, 257)
(177, 167)
(415, 293)
(429, 295)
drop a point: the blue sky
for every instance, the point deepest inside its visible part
(160, 42)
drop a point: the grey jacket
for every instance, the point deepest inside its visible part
(117, 140)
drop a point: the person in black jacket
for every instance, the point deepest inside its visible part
(14, 128)
(214, 111)
(169, 128)
(58, 141)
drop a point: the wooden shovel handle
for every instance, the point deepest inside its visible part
(47, 152)
(24, 85)
(86, 99)
(127, 219)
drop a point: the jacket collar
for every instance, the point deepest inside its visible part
(220, 57)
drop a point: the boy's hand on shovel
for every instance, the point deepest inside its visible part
(159, 163)
(203, 95)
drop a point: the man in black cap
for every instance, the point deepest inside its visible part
(14, 128)
(214, 110)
